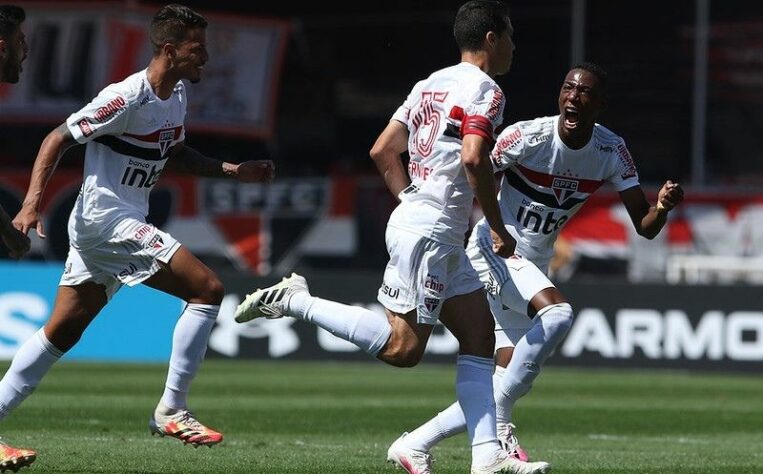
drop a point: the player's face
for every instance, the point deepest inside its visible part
(13, 52)
(504, 50)
(580, 101)
(191, 55)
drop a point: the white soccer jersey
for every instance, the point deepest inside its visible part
(438, 111)
(545, 182)
(129, 132)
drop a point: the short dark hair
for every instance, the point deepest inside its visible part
(475, 19)
(598, 71)
(171, 24)
(11, 16)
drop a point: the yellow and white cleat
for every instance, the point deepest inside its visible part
(182, 425)
(13, 459)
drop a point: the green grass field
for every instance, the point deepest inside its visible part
(325, 418)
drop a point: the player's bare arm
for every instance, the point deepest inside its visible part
(392, 142)
(188, 160)
(475, 158)
(648, 220)
(53, 147)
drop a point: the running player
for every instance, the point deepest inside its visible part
(13, 51)
(551, 165)
(132, 130)
(447, 125)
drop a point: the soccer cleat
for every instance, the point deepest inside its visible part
(13, 459)
(270, 302)
(509, 441)
(182, 425)
(410, 460)
(506, 463)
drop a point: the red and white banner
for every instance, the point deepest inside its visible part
(79, 48)
(269, 228)
(707, 223)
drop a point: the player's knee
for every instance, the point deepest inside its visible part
(402, 355)
(405, 359)
(478, 344)
(559, 316)
(213, 290)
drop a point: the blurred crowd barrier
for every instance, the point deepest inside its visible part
(707, 327)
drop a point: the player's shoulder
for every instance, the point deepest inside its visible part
(611, 146)
(534, 131)
(538, 125)
(606, 141)
(132, 89)
(468, 77)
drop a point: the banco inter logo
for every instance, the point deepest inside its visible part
(140, 174)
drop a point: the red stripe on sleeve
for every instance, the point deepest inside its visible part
(476, 125)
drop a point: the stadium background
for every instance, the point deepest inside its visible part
(322, 81)
(310, 87)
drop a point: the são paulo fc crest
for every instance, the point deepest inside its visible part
(563, 188)
(165, 139)
(431, 303)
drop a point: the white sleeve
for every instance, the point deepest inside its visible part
(625, 175)
(487, 103)
(106, 114)
(403, 112)
(508, 148)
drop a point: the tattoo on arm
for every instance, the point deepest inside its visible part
(193, 162)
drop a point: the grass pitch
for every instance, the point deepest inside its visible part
(289, 417)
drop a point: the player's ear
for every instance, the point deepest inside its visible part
(169, 50)
(491, 39)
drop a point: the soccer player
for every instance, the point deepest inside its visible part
(447, 125)
(13, 51)
(550, 165)
(132, 130)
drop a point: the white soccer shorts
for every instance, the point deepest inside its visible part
(132, 254)
(422, 274)
(510, 284)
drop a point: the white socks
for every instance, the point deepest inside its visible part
(30, 363)
(368, 330)
(189, 344)
(510, 383)
(551, 325)
(447, 423)
(474, 387)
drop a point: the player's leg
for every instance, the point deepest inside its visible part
(370, 331)
(399, 338)
(74, 308)
(551, 322)
(186, 277)
(468, 319)
(82, 293)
